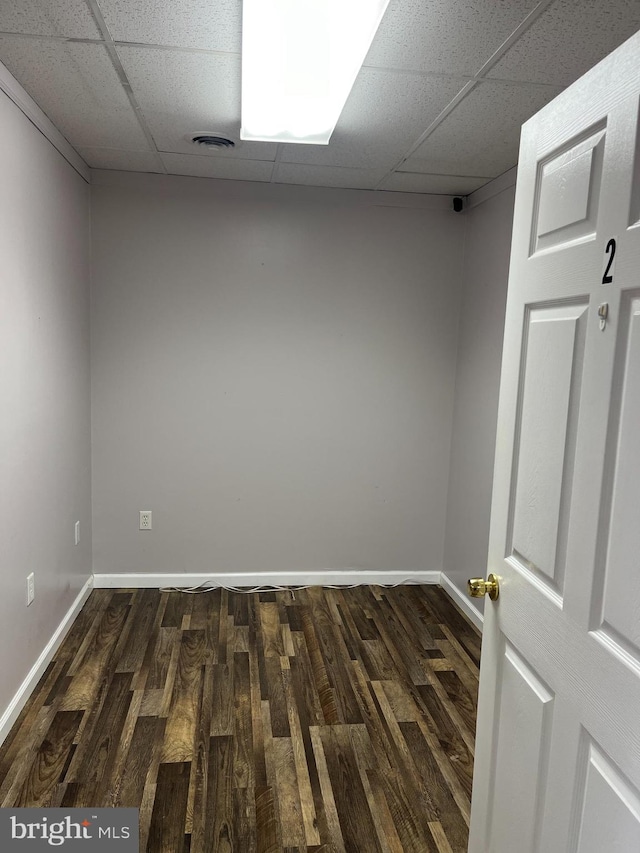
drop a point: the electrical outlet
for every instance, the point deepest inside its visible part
(145, 519)
(77, 532)
(31, 588)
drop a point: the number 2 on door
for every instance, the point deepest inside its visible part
(610, 253)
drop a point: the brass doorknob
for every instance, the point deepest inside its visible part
(478, 587)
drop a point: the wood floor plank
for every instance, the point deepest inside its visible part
(205, 616)
(86, 677)
(401, 702)
(166, 834)
(151, 703)
(159, 653)
(183, 712)
(199, 778)
(223, 628)
(79, 639)
(222, 722)
(172, 668)
(377, 661)
(96, 604)
(356, 823)
(382, 815)
(410, 621)
(451, 802)
(404, 767)
(96, 754)
(328, 799)
(325, 691)
(143, 614)
(244, 818)
(450, 737)
(151, 788)
(383, 822)
(335, 655)
(462, 699)
(362, 626)
(273, 650)
(370, 712)
(136, 766)
(303, 683)
(49, 761)
(266, 821)
(310, 721)
(255, 689)
(408, 819)
(288, 793)
(308, 714)
(300, 757)
(176, 607)
(453, 712)
(402, 651)
(219, 814)
(60, 685)
(440, 837)
(243, 767)
(22, 730)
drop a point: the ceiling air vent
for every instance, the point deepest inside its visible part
(212, 140)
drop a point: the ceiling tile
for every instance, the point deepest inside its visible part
(568, 39)
(417, 166)
(78, 88)
(410, 182)
(442, 37)
(124, 161)
(480, 137)
(182, 93)
(328, 176)
(204, 24)
(384, 115)
(70, 18)
(217, 167)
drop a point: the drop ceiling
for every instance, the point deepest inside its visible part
(436, 108)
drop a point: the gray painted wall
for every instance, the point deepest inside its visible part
(272, 375)
(45, 481)
(484, 293)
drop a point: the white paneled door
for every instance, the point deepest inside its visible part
(558, 738)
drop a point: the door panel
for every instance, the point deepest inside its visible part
(606, 793)
(524, 720)
(569, 192)
(551, 376)
(634, 210)
(617, 588)
(557, 766)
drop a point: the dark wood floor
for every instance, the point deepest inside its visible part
(320, 720)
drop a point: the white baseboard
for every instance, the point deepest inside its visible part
(462, 601)
(323, 577)
(27, 687)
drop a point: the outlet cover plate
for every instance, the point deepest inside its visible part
(145, 519)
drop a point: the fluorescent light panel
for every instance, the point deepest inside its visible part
(300, 59)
